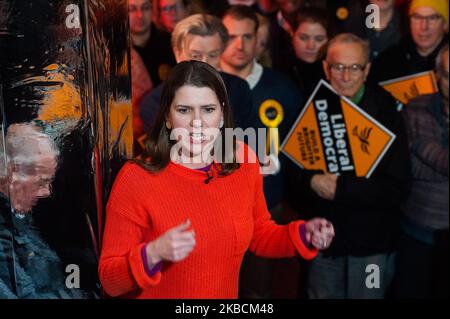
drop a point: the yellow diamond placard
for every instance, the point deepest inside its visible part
(334, 135)
(406, 88)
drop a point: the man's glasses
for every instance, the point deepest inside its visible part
(354, 69)
(431, 19)
(172, 8)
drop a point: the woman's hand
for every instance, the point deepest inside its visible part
(319, 232)
(174, 245)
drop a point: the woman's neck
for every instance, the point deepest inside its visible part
(385, 17)
(194, 162)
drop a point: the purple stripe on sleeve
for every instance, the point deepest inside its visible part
(150, 271)
(302, 232)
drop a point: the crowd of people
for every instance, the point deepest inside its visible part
(171, 232)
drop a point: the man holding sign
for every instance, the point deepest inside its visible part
(364, 210)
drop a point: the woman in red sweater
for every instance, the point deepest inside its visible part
(180, 218)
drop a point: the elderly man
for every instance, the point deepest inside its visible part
(364, 211)
(28, 267)
(422, 270)
(428, 26)
(203, 37)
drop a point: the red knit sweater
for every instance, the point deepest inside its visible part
(229, 216)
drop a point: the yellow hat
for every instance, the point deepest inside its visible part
(440, 6)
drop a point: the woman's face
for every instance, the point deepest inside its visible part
(195, 117)
(308, 40)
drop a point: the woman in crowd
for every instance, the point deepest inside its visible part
(180, 218)
(309, 42)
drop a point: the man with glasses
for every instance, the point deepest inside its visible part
(170, 13)
(428, 21)
(347, 79)
(364, 211)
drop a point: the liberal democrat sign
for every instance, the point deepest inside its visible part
(406, 88)
(334, 135)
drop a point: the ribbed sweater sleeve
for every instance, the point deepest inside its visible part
(121, 269)
(271, 240)
(228, 214)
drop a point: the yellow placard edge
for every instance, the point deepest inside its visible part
(409, 77)
(291, 131)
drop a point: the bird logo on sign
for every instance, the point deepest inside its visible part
(363, 137)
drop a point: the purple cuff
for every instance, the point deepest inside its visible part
(150, 271)
(302, 232)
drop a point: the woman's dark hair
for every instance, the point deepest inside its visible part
(156, 155)
(314, 15)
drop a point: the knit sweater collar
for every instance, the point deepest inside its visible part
(194, 174)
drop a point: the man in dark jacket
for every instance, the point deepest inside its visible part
(152, 45)
(203, 37)
(428, 27)
(29, 268)
(364, 211)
